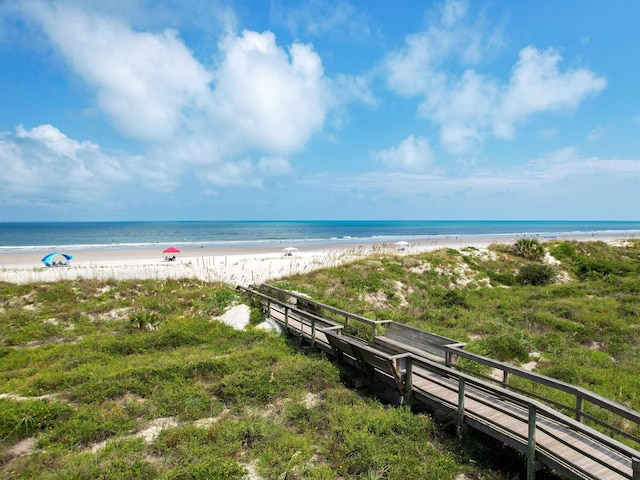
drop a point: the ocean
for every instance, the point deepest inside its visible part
(19, 237)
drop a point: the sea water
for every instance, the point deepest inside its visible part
(25, 236)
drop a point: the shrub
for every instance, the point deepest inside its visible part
(144, 321)
(564, 251)
(507, 347)
(595, 269)
(528, 248)
(536, 274)
(21, 419)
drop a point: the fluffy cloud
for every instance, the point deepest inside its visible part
(537, 85)
(268, 98)
(258, 98)
(467, 105)
(45, 163)
(148, 84)
(412, 154)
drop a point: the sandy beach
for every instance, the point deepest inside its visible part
(240, 265)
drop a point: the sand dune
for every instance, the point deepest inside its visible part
(235, 266)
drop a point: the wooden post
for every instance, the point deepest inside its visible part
(531, 448)
(579, 408)
(505, 378)
(460, 416)
(313, 333)
(635, 465)
(408, 380)
(286, 319)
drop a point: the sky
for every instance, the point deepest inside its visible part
(319, 110)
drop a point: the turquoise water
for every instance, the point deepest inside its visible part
(101, 235)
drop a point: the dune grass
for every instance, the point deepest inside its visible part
(126, 380)
(583, 327)
(132, 379)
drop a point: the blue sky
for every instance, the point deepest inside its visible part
(319, 109)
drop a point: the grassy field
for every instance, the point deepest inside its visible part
(581, 324)
(136, 380)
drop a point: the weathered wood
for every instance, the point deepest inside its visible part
(401, 338)
(531, 446)
(543, 434)
(398, 346)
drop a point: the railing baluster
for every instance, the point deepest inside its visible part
(635, 466)
(578, 408)
(531, 448)
(460, 417)
(286, 318)
(408, 375)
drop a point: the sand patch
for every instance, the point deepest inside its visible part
(22, 448)
(148, 434)
(236, 317)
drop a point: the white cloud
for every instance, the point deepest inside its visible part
(268, 98)
(537, 85)
(236, 173)
(596, 134)
(258, 98)
(148, 84)
(316, 18)
(413, 154)
(559, 185)
(468, 105)
(274, 166)
(46, 164)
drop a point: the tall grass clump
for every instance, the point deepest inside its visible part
(536, 274)
(528, 248)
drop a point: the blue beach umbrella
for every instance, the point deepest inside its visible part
(49, 261)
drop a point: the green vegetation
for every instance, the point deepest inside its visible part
(133, 380)
(528, 248)
(89, 369)
(579, 315)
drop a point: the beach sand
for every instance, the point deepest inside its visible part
(239, 265)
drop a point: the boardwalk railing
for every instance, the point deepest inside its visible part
(585, 404)
(352, 323)
(524, 418)
(543, 434)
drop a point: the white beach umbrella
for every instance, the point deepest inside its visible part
(401, 245)
(289, 250)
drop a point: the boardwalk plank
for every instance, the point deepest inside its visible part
(571, 450)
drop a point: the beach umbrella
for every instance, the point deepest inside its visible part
(401, 245)
(171, 250)
(289, 250)
(48, 260)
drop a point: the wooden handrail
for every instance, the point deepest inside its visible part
(524, 402)
(541, 419)
(374, 324)
(580, 394)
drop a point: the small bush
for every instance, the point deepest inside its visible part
(508, 347)
(21, 419)
(528, 248)
(536, 274)
(590, 269)
(144, 321)
(564, 251)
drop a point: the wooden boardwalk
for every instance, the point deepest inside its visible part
(545, 434)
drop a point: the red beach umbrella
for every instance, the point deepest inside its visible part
(171, 250)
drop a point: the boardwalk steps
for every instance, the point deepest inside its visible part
(423, 369)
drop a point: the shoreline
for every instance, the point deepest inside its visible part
(246, 264)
